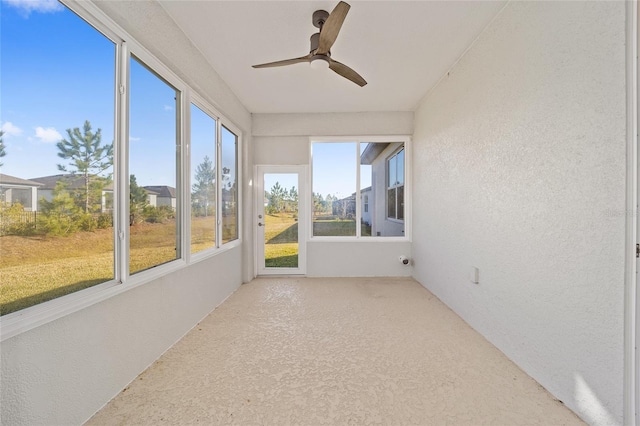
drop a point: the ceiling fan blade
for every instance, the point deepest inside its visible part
(347, 72)
(331, 28)
(306, 58)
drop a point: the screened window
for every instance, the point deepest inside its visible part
(61, 136)
(229, 184)
(334, 188)
(153, 169)
(57, 79)
(203, 180)
(351, 204)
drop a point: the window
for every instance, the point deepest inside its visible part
(229, 184)
(203, 180)
(153, 169)
(395, 186)
(89, 184)
(57, 79)
(353, 204)
(334, 188)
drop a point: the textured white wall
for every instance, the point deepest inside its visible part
(64, 371)
(284, 139)
(519, 169)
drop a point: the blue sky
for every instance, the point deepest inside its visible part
(56, 71)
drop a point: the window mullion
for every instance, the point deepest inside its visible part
(219, 202)
(357, 195)
(121, 166)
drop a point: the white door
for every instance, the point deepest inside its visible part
(280, 220)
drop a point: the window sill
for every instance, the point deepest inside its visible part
(359, 240)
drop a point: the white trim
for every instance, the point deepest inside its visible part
(303, 219)
(407, 142)
(631, 401)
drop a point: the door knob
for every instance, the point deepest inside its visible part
(260, 224)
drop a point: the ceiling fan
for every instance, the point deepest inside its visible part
(321, 42)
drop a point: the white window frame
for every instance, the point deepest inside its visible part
(360, 139)
(34, 316)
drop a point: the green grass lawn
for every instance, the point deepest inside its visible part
(281, 241)
(36, 269)
(334, 228)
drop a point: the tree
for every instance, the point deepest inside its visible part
(2, 150)
(292, 198)
(61, 215)
(204, 190)
(318, 203)
(277, 196)
(88, 158)
(138, 200)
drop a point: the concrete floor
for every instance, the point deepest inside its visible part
(330, 351)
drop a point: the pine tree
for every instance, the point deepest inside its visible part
(138, 200)
(204, 189)
(88, 158)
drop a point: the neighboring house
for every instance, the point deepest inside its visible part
(73, 182)
(366, 200)
(161, 195)
(17, 190)
(345, 207)
(383, 202)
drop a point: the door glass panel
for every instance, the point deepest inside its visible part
(280, 220)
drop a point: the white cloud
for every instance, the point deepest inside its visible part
(48, 135)
(10, 130)
(27, 6)
(134, 139)
(168, 108)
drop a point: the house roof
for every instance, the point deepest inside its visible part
(49, 182)
(12, 180)
(371, 152)
(162, 190)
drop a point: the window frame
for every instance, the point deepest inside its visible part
(395, 187)
(360, 139)
(34, 316)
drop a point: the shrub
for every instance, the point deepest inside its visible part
(158, 214)
(14, 220)
(104, 220)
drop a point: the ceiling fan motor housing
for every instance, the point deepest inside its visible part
(319, 18)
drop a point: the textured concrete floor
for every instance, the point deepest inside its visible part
(333, 352)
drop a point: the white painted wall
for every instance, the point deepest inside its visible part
(64, 371)
(519, 169)
(283, 139)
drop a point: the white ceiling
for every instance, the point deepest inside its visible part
(402, 49)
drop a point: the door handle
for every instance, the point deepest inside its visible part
(260, 224)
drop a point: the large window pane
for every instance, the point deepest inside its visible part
(381, 172)
(203, 180)
(334, 189)
(57, 79)
(229, 183)
(153, 169)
